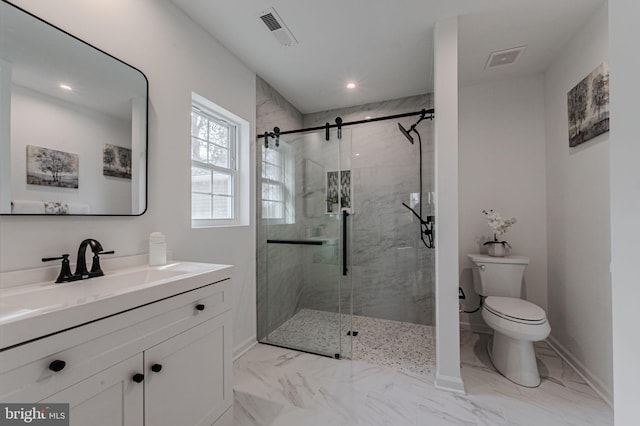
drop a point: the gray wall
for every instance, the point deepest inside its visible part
(392, 271)
(501, 161)
(579, 217)
(625, 206)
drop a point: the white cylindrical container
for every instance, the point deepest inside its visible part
(157, 249)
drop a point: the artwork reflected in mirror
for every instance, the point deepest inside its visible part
(116, 161)
(49, 167)
(64, 103)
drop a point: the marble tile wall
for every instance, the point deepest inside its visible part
(392, 272)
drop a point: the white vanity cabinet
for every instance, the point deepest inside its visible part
(193, 387)
(167, 362)
(107, 398)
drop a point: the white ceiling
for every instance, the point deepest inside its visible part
(384, 45)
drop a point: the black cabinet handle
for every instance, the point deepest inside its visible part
(200, 307)
(156, 368)
(57, 365)
(138, 377)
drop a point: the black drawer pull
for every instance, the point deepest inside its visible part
(138, 377)
(57, 365)
(156, 368)
(200, 307)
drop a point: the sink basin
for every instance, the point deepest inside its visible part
(50, 296)
(30, 311)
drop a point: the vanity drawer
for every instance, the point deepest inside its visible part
(26, 371)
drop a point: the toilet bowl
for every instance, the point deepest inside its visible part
(516, 324)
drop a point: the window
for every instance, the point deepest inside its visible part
(278, 176)
(273, 186)
(213, 167)
(219, 188)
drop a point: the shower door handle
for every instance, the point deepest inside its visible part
(345, 215)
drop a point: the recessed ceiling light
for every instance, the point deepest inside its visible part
(357, 154)
(65, 87)
(351, 85)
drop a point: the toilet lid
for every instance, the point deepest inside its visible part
(515, 309)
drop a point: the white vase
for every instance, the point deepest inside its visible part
(497, 250)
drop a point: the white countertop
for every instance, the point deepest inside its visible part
(31, 311)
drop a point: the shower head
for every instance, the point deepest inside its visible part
(405, 132)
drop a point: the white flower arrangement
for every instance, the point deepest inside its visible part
(499, 224)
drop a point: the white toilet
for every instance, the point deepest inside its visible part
(516, 323)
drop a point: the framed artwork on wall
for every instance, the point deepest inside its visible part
(588, 106)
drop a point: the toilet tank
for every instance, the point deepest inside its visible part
(498, 276)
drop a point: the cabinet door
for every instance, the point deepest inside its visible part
(193, 384)
(109, 398)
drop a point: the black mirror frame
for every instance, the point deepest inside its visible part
(146, 173)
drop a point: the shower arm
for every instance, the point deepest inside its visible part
(422, 117)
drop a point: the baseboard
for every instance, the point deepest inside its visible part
(476, 327)
(243, 347)
(449, 383)
(595, 383)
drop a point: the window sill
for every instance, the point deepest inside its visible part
(204, 224)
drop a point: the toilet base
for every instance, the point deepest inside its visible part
(514, 359)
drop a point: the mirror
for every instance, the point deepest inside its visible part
(73, 124)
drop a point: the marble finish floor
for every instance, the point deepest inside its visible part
(282, 387)
(404, 346)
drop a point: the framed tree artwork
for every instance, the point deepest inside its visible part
(49, 167)
(588, 106)
(116, 161)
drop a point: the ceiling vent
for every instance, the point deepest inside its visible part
(504, 57)
(277, 27)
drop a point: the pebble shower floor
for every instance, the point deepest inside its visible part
(400, 345)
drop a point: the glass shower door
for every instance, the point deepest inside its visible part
(306, 196)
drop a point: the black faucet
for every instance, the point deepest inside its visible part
(81, 264)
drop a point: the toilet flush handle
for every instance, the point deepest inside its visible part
(482, 266)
